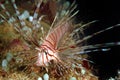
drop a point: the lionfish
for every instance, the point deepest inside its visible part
(54, 36)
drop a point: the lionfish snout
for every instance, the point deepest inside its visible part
(45, 56)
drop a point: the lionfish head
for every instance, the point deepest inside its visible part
(45, 56)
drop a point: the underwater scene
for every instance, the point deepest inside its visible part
(45, 40)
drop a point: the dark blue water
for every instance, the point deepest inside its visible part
(108, 14)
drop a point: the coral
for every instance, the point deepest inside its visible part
(7, 34)
(17, 76)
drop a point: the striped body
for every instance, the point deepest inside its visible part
(49, 49)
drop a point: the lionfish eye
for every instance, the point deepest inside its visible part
(46, 52)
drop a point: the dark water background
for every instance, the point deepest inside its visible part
(108, 14)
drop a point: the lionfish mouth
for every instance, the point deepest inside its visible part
(45, 56)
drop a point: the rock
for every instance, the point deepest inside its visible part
(73, 78)
(24, 15)
(39, 78)
(5, 65)
(111, 78)
(9, 56)
(83, 71)
(66, 5)
(46, 76)
(30, 18)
